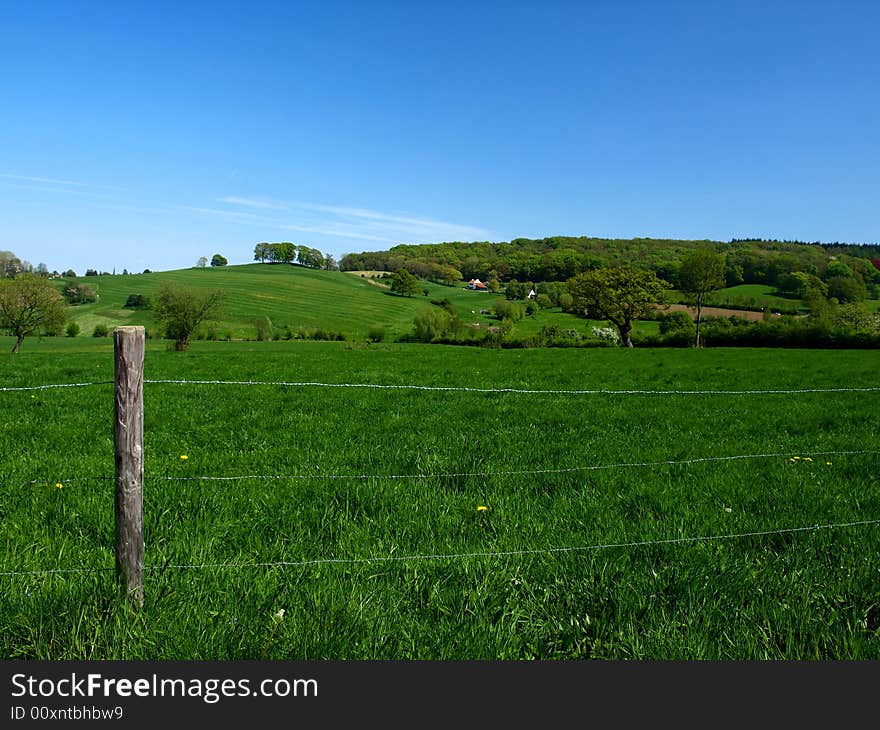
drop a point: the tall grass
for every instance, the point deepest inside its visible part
(793, 595)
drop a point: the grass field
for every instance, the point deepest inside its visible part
(794, 595)
(289, 296)
(751, 296)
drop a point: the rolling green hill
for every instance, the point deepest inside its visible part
(291, 296)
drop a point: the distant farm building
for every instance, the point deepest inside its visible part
(477, 285)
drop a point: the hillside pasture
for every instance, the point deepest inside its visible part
(358, 510)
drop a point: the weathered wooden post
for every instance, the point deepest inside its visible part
(128, 437)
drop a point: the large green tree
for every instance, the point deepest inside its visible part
(701, 273)
(404, 283)
(181, 310)
(30, 304)
(620, 294)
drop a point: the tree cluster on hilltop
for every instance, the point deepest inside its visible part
(286, 252)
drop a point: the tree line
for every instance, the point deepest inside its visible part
(747, 261)
(286, 252)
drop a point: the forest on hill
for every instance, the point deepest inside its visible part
(558, 258)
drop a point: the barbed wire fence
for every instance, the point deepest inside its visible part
(135, 376)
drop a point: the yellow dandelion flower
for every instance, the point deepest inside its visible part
(796, 458)
(827, 463)
(183, 457)
(482, 508)
(807, 458)
(792, 460)
(59, 485)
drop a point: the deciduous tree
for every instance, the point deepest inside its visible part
(620, 295)
(701, 273)
(404, 283)
(181, 310)
(30, 304)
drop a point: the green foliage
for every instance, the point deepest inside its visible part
(847, 289)
(377, 334)
(838, 268)
(72, 330)
(263, 326)
(180, 311)
(620, 295)
(432, 324)
(30, 305)
(677, 322)
(700, 274)
(507, 309)
(137, 301)
(80, 294)
(218, 260)
(405, 284)
(101, 330)
(515, 290)
(799, 284)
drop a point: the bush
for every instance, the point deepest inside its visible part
(676, 322)
(263, 326)
(137, 301)
(432, 324)
(101, 330)
(72, 329)
(508, 309)
(80, 294)
(376, 334)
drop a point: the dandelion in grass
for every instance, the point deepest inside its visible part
(728, 509)
(827, 463)
(183, 457)
(482, 508)
(279, 615)
(59, 485)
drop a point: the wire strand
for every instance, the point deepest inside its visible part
(466, 389)
(453, 556)
(514, 472)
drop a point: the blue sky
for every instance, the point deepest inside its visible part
(144, 135)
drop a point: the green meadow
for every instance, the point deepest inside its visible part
(294, 296)
(349, 521)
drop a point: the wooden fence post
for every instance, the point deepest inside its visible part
(128, 437)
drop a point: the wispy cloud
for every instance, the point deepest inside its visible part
(216, 212)
(350, 221)
(251, 203)
(45, 180)
(339, 231)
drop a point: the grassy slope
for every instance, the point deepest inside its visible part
(789, 595)
(288, 295)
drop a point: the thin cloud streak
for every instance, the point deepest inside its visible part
(251, 203)
(48, 180)
(374, 215)
(360, 223)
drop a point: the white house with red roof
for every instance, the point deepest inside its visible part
(477, 285)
